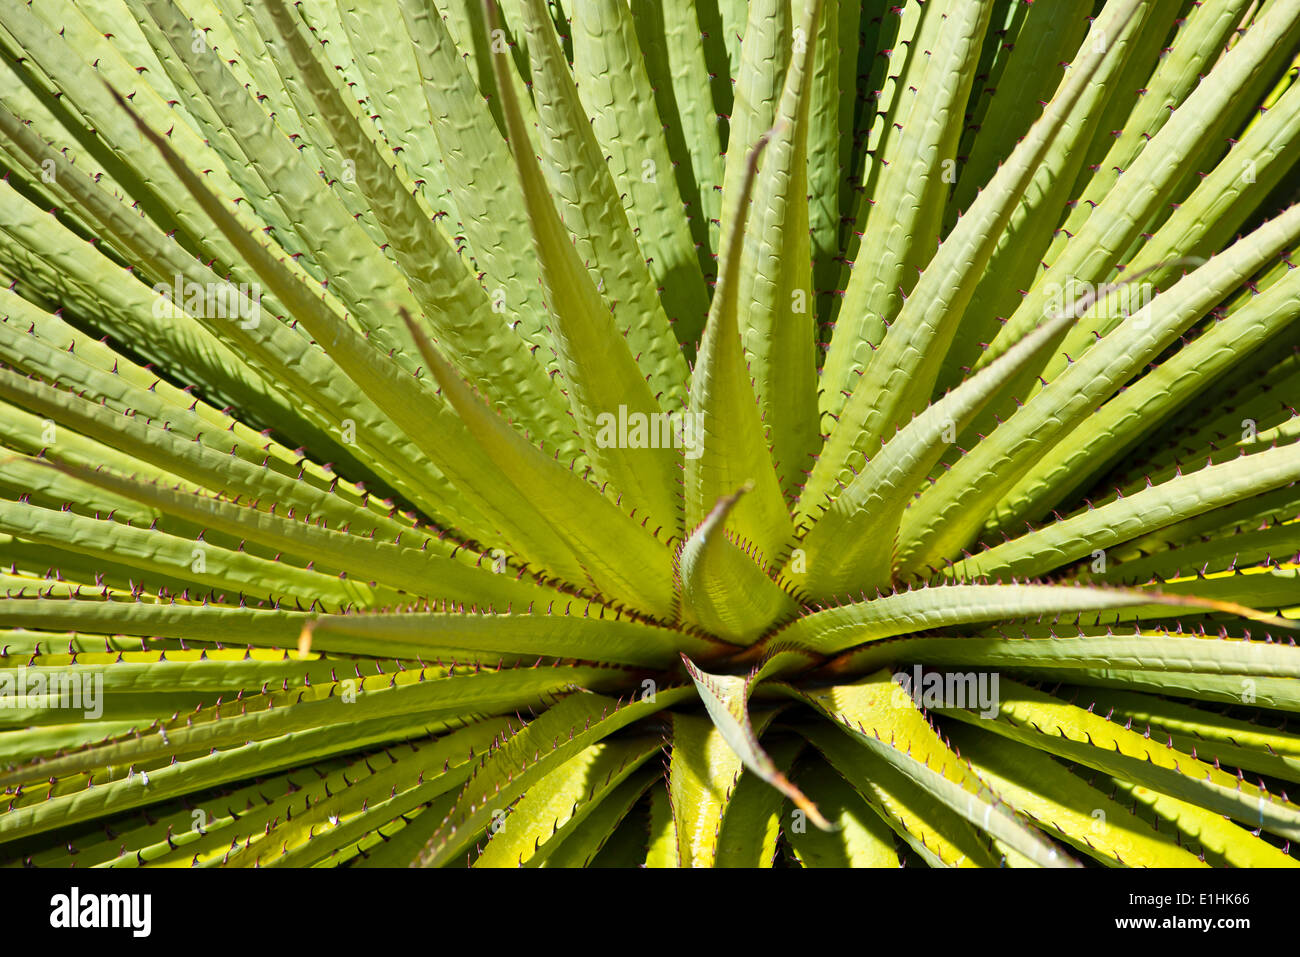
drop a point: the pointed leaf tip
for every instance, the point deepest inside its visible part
(725, 698)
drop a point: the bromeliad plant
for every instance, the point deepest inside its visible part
(668, 432)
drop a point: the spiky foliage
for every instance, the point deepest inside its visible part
(565, 433)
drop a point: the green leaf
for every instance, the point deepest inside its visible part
(1146, 650)
(832, 89)
(156, 552)
(938, 835)
(1042, 721)
(752, 820)
(1150, 402)
(756, 76)
(870, 509)
(1200, 41)
(618, 558)
(661, 849)
(702, 775)
(366, 281)
(1048, 793)
(726, 698)
(572, 629)
(859, 838)
(276, 715)
(580, 845)
(672, 44)
(946, 518)
(1276, 693)
(1031, 71)
(388, 59)
(610, 74)
(834, 629)
(605, 637)
(600, 368)
(1208, 735)
(730, 452)
(902, 372)
(485, 347)
(1091, 532)
(1215, 211)
(876, 706)
(581, 182)
(776, 293)
(323, 824)
(130, 443)
(320, 396)
(1220, 841)
(1150, 180)
(410, 406)
(543, 744)
(79, 801)
(557, 805)
(408, 567)
(480, 174)
(722, 589)
(902, 228)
